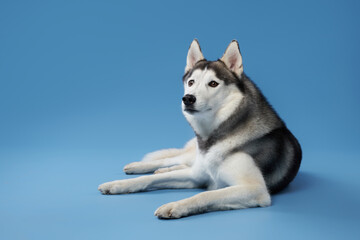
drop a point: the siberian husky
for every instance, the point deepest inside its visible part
(242, 152)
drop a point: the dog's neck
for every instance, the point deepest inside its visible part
(207, 123)
(234, 124)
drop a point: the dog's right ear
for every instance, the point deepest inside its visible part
(194, 55)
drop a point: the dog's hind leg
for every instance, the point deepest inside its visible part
(234, 197)
(170, 180)
(244, 188)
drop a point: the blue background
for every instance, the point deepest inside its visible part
(88, 86)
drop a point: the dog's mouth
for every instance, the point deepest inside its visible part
(190, 110)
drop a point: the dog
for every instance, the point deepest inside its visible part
(242, 153)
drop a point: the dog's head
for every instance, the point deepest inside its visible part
(212, 88)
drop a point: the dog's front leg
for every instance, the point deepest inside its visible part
(176, 179)
(151, 166)
(234, 197)
(164, 158)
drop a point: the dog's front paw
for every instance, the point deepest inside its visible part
(115, 187)
(133, 168)
(171, 211)
(107, 188)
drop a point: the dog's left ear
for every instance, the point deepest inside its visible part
(232, 58)
(194, 55)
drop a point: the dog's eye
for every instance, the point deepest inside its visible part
(190, 83)
(213, 84)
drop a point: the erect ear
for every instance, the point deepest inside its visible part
(232, 58)
(194, 55)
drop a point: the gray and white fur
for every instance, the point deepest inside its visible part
(242, 153)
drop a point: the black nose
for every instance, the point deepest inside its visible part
(189, 99)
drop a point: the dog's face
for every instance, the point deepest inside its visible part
(211, 88)
(205, 91)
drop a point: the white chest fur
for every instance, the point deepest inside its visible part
(218, 168)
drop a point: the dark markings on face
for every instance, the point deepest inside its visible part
(221, 72)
